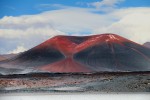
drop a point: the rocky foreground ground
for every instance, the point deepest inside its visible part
(76, 82)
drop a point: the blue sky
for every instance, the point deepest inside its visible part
(26, 23)
(26, 7)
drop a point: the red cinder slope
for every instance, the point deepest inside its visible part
(67, 48)
(66, 65)
(60, 43)
(110, 52)
(100, 39)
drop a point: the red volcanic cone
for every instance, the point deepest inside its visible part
(95, 53)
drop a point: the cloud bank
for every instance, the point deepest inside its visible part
(17, 50)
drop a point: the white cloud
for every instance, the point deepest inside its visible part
(132, 23)
(29, 32)
(48, 6)
(66, 20)
(18, 50)
(105, 3)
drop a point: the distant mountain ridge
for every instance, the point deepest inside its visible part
(2, 58)
(6, 56)
(147, 44)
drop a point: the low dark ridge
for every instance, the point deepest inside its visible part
(35, 57)
(45, 74)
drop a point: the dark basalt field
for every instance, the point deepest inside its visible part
(76, 82)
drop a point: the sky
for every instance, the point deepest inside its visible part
(26, 23)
